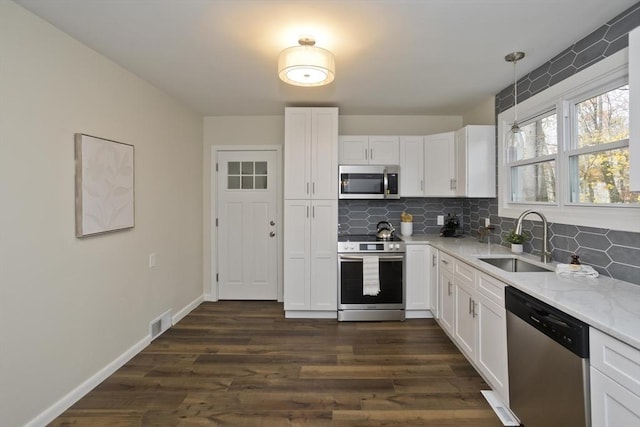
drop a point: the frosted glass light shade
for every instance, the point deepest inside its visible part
(306, 66)
(514, 143)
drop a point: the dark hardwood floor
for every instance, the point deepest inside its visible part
(241, 363)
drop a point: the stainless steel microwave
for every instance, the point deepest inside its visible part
(369, 182)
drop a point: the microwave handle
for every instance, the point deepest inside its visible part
(385, 183)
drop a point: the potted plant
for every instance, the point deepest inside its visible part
(516, 241)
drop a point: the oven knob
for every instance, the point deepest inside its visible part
(352, 247)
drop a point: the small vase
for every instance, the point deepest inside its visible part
(516, 248)
(406, 228)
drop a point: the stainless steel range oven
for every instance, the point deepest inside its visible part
(371, 285)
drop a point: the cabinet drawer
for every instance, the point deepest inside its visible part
(615, 359)
(446, 262)
(464, 274)
(491, 288)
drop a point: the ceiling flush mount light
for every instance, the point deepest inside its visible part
(515, 138)
(306, 65)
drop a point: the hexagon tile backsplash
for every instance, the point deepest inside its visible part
(611, 252)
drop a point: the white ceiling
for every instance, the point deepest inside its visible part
(398, 57)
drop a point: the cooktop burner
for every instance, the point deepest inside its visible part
(365, 238)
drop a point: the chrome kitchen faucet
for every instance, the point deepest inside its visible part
(546, 254)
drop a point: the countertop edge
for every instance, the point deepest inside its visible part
(543, 285)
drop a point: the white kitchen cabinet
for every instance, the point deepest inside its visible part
(439, 165)
(433, 281)
(615, 381)
(472, 312)
(311, 153)
(420, 268)
(634, 108)
(475, 154)
(464, 324)
(446, 299)
(310, 256)
(311, 212)
(412, 166)
(369, 150)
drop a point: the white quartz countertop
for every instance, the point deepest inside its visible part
(610, 305)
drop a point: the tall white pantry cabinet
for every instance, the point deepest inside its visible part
(310, 212)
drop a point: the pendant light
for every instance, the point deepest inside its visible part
(306, 64)
(514, 142)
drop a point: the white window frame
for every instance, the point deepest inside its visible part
(559, 97)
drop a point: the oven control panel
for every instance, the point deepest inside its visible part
(345, 247)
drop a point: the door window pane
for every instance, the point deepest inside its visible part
(603, 118)
(602, 177)
(534, 182)
(247, 175)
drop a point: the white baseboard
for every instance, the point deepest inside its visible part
(187, 309)
(76, 394)
(210, 298)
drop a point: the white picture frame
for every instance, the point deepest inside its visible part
(104, 185)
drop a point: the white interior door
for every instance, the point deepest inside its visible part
(246, 225)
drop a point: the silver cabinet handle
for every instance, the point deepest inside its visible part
(313, 188)
(307, 211)
(366, 154)
(371, 156)
(272, 234)
(307, 188)
(444, 261)
(470, 305)
(433, 260)
(272, 223)
(448, 288)
(452, 184)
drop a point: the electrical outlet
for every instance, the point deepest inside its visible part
(440, 220)
(152, 260)
(487, 222)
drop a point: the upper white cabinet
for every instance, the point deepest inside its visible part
(412, 166)
(449, 164)
(440, 165)
(311, 153)
(475, 153)
(634, 108)
(369, 150)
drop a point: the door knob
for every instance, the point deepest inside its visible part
(272, 234)
(272, 223)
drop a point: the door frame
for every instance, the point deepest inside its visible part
(215, 149)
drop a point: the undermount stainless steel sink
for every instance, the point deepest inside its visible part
(516, 265)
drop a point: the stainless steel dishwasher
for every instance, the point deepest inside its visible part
(548, 356)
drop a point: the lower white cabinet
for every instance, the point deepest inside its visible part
(472, 312)
(420, 279)
(615, 381)
(310, 256)
(445, 292)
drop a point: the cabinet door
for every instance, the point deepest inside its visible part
(417, 259)
(439, 164)
(445, 289)
(491, 355)
(432, 280)
(324, 255)
(412, 166)
(611, 404)
(354, 150)
(384, 150)
(464, 324)
(475, 153)
(297, 260)
(324, 153)
(297, 153)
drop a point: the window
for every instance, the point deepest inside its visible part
(246, 175)
(574, 163)
(599, 153)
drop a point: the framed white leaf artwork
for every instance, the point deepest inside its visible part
(104, 185)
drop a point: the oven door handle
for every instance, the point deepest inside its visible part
(381, 258)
